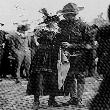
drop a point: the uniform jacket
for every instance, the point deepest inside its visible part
(74, 32)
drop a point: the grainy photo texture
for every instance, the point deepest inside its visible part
(54, 55)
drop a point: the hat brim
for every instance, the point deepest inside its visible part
(45, 23)
(63, 12)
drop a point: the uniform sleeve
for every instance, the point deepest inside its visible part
(86, 34)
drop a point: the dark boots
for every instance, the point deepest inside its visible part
(52, 102)
(36, 103)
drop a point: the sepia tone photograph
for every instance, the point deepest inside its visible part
(54, 55)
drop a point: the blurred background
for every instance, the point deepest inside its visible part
(26, 11)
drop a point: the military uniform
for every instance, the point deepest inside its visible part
(43, 73)
(76, 33)
(75, 37)
(43, 77)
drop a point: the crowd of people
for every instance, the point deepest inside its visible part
(39, 53)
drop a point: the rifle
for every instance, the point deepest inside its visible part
(48, 18)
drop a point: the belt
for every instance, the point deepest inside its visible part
(74, 55)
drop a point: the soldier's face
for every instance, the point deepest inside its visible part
(69, 16)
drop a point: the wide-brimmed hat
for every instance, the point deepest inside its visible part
(70, 8)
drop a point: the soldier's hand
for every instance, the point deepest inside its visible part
(66, 44)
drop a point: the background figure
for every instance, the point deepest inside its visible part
(92, 54)
(73, 36)
(19, 49)
(102, 99)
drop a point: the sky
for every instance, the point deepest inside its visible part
(12, 11)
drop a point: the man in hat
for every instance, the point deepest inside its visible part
(75, 39)
(19, 49)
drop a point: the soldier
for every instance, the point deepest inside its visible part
(75, 39)
(93, 57)
(43, 76)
